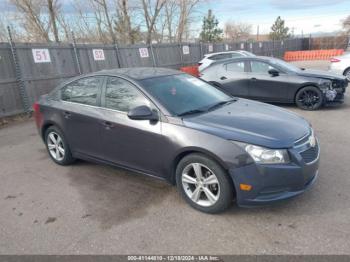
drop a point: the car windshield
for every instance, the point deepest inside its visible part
(184, 94)
(285, 65)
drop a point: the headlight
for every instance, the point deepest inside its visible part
(264, 155)
(325, 84)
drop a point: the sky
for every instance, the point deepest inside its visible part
(309, 16)
(301, 16)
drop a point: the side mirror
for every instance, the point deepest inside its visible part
(143, 113)
(273, 72)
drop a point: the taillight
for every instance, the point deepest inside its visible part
(199, 64)
(37, 115)
(334, 60)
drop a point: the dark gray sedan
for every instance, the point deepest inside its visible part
(175, 127)
(269, 79)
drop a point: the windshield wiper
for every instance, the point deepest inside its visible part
(190, 112)
(221, 104)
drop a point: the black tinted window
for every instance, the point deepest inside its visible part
(83, 91)
(235, 67)
(122, 95)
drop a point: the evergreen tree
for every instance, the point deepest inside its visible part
(210, 29)
(278, 30)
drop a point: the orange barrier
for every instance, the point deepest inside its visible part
(312, 54)
(192, 70)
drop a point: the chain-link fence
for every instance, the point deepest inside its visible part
(28, 71)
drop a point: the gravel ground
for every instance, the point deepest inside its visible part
(94, 209)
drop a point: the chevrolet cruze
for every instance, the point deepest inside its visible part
(215, 148)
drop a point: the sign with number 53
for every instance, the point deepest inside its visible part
(41, 55)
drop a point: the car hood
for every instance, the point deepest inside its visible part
(320, 74)
(252, 122)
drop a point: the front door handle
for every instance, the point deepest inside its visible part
(253, 79)
(223, 78)
(108, 125)
(67, 114)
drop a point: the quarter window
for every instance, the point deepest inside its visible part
(82, 91)
(121, 95)
(260, 67)
(235, 67)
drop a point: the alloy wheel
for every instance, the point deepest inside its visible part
(200, 184)
(55, 146)
(309, 99)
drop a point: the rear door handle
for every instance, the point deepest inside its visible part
(67, 114)
(223, 78)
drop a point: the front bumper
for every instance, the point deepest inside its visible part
(273, 183)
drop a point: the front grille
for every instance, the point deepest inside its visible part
(310, 154)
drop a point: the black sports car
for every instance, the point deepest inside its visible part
(273, 80)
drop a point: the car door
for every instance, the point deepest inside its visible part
(80, 114)
(130, 143)
(233, 78)
(267, 87)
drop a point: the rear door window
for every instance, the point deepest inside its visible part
(83, 91)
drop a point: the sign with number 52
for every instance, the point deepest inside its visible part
(41, 55)
(99, 54)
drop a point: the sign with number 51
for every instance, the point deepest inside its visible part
(41, 55)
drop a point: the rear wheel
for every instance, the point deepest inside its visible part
(309, 98)
(204, 184)
(57, 146)
(347, 74)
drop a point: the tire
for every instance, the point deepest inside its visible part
(221, 189)
(347, 74)
(55, 147)
(309, 98)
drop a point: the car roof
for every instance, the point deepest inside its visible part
(139, 73)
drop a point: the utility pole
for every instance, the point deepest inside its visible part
(257, 33)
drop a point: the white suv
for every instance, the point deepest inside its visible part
(212, 57)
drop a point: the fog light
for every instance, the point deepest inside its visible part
(245, 187)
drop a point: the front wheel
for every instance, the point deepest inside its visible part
(309, 98)
(204, 184)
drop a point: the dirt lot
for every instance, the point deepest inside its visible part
(94, 209)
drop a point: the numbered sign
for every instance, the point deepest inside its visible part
(41, 55)
(210, 48)
(186, 50)
(143, 52)
(251, 45)
(260, 44)
(242, 45)
(99, 54)
(226, 47)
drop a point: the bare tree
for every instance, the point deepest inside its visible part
(33, 22)
(151, 10)
(53, 12)
(185, 9)
(346, 24)
(107, 18)
(171, 11)
(237, 31)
